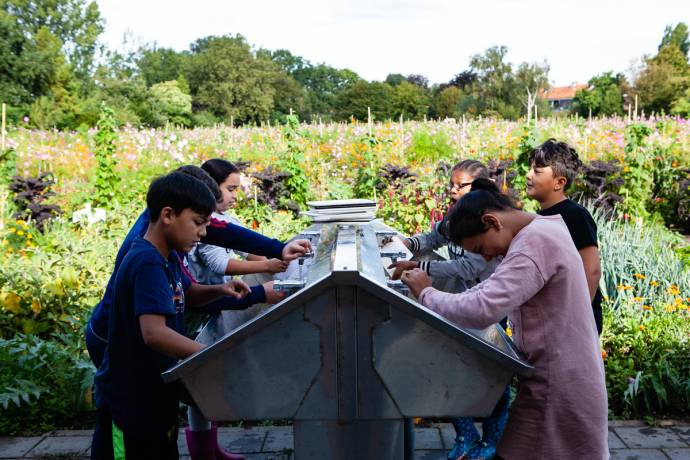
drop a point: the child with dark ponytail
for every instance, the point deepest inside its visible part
(561, 409)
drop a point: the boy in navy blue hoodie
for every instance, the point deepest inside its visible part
(137, 411)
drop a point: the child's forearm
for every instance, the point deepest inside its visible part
(198, 295)
(254, 257)
(592, 265)
(159, 337)
(245, 267)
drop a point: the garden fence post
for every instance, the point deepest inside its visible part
(4, 108)
(369, 119)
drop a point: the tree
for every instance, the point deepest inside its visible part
(170, 104)
(463, 80)
(157, 65)
(394, 79)
(666, 75)
(418, 80)
(409, 100)
(354, 101)
(603, 97)
(226, 78)
(530, 79)
(288, 95)
(75, 23)
(495, 80)
(677, 36)
(447, 101)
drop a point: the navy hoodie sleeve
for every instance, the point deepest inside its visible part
(231, 236)
(258, 295)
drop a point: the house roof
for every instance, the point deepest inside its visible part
(563, 92)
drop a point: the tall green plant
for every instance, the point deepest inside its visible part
(637, 172)
(292, 162)
(106, 178)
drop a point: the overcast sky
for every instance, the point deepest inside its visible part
(431, 37)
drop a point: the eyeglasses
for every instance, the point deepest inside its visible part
(460, 186)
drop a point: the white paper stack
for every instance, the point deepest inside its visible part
(357, 210)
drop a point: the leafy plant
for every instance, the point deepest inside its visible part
(106, 177)
(43, 382)
(292, 162)
(30, 194)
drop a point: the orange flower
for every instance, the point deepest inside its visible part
(603, 354)
(642, 327)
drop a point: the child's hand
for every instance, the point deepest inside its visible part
(417, 280)
(237, 289)
(296, 248)
(276, 265)
(271, 295)
(402, 265)
(407, 243)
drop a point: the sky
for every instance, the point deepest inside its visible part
(435, 38)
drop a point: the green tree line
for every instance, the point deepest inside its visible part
(55, 74)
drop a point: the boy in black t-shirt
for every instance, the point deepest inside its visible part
(137, 411)
(553, 167)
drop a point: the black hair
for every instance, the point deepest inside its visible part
(465, 218)
(219, 169)
(179, 191)
(474, 168)
(562, 158)
(198, 173)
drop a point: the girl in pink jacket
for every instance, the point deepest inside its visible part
(561, 409)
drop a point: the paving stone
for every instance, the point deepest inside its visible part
(241, 439)
(678, 453)
(614, 441)
(61, 445)
(71, 433)
(17, 447)
(430, 455)
(447, 436)
(427, 438)
(638, 454)
(683, 432)
(649, 437)
(279, 439)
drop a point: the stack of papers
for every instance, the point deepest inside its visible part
(357, 210)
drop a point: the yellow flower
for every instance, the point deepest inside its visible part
(20, 233)
(642, 327)
(509, 332)
(670, 308)
(638, 299)
(647, 307)
(11, 302)
(673, 290)
(654, 283)
(36, 306)
(639, 276)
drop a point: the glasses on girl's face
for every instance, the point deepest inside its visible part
(460, 186)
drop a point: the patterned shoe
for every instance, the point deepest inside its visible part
(467, 438)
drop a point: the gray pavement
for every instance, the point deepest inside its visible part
(628, 440)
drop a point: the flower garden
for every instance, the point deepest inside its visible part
(57, 249)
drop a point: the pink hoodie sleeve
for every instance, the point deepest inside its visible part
(516, 280)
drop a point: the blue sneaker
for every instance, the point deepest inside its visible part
(467, 438)
(492, 430)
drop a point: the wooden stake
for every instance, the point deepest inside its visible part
(629, 112)
(635, 106)
(369, 119)
(4, 108)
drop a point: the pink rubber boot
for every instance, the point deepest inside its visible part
(220, 454)
(201, 444)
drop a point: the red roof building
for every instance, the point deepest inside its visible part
(561, 97)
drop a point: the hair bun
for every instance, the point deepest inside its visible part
(482, 183)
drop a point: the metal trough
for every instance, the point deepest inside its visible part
(347, 357)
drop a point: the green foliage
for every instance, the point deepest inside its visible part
(603, 97)
(43, 382)
(169, 104)
(106, 178)
(430, 148)
(367, 180)
(676, 36)
(292, 162)
(8, 166)
(637, 172)
(409, 101)
(230, 81)
(358, 98)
